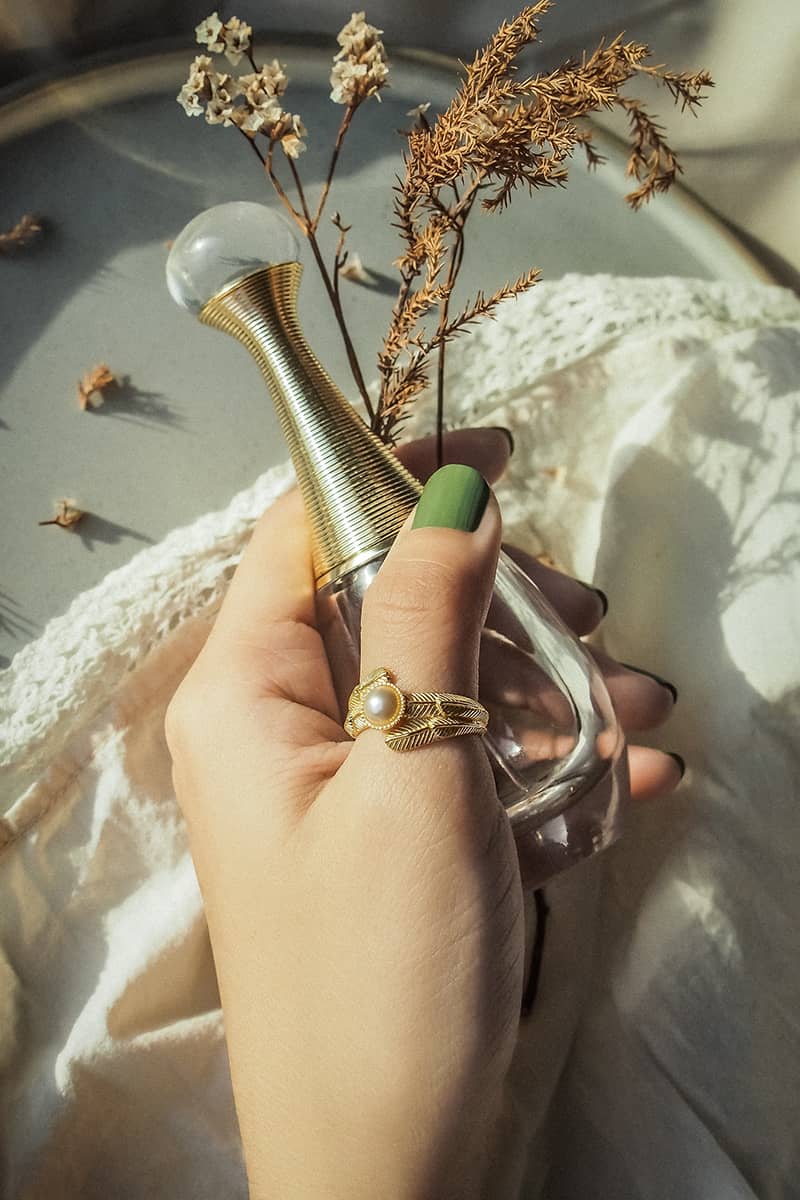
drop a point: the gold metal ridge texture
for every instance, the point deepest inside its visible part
(356, 492)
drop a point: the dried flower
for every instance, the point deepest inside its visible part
(263, 85)
(359, 68)
(233, 37)
(419, 110)
(291, 143)
(92, 386)
(209, 33)
(26, 231)
(237, 38)
(274, 123)
(344, 77)
(261, 106)
(220, 105)
(357, 37)
(262, 111)
(199, 87)
(250, 102)
(67, 515)
(353, 269)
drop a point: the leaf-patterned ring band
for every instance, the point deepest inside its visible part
(410, 720)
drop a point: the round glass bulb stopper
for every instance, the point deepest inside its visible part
(224, 244)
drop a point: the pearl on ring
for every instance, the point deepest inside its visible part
(383, 705)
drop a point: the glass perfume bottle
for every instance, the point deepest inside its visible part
(556, 746)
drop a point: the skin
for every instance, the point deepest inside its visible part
(365, 907)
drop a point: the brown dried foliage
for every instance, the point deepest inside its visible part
(501, 132)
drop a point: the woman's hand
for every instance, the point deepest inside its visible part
(365, 907)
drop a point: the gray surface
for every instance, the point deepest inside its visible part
(118, 176)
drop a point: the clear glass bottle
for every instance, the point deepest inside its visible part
(555, 746)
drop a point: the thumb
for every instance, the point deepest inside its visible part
(423, 613)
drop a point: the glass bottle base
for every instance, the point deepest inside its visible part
(587, 826)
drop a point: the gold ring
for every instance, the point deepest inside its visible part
(409, 720)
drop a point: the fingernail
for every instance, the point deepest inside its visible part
(509, 435)
(652, 675)
(454, 497)
(602, 596)
(680, 761)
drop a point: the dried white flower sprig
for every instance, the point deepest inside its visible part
(360, 69)
(250, 102)
(231, 38)
(253, 103)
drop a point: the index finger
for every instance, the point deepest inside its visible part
(274, 582)
(265, 632)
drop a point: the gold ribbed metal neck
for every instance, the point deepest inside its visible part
(356, 492)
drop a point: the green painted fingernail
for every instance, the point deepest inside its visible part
(454, 497)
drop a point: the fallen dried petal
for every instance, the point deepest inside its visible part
(354, 269)
(67, 515)
(26, 231)
(91, 387)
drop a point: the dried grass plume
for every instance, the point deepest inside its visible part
(502, 132)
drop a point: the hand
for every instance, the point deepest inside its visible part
(365, 907)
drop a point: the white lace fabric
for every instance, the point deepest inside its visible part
(656, 428)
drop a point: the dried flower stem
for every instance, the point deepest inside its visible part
(277, 185)
(444, 308)
(326, 187)
(306, 223)
(340, 254)
(308, 226)
(256, 151)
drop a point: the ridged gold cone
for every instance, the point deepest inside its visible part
(356, 492)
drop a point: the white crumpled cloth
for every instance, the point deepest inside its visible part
(656, 424)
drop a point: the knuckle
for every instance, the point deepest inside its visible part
(186, 718)
(176, 720)
(290, 641)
